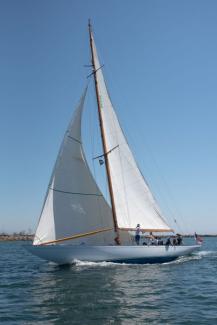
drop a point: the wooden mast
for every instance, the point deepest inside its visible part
(117, 239)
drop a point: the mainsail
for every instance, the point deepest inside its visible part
(134, 202)
(74, 203)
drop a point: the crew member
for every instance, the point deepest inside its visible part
(137, 235)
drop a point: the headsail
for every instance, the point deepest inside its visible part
(134, 202)
(73, 204)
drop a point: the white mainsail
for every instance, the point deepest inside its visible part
(74, 204)
(134, 202)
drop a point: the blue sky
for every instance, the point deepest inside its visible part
(161, 71)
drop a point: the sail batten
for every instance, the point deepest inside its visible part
(134, 202)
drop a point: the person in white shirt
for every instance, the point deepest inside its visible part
(137, 234)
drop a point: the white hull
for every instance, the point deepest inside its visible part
(68, 254)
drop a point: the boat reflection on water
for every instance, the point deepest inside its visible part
(100, 293)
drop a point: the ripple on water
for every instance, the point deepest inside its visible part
(36, 292)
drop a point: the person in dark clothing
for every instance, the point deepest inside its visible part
(152, 239)
(179, 239)
(168, 242)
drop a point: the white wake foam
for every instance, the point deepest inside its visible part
(206, 253)
(184, 259)
(195, 256)
(96, 264)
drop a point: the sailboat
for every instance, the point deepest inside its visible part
(77, 222)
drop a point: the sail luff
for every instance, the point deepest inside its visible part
(117, 239)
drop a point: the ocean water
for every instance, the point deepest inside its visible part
(33, 291)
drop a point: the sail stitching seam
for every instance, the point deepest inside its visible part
(76, 193)
(74, 139)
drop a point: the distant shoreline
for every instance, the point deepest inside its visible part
(16, 237)
(28, 237)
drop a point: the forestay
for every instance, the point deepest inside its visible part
(134, 202)
(74, 204)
